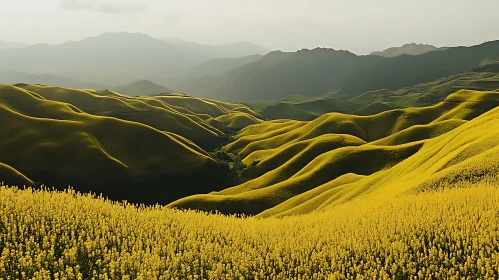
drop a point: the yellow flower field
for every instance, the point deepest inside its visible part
(64, 235)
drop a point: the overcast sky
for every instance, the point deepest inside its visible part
(357, 25)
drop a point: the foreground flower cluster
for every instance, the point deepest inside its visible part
(64, 235)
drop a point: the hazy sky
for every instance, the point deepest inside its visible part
(357, 25)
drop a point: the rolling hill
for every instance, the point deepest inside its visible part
(457, 105)
(338, 74)
(59, 145)
(465, 154)
(190, 120)
(299, 166)
(291, 166)
(136, 149)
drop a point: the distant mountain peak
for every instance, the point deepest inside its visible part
(410, 49)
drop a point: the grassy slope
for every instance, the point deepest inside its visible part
(405, 134)
(463, 105)
(299, 152)
(469, 153)
(57, 144)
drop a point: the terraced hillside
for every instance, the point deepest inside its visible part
(301, 166)
(101, 141)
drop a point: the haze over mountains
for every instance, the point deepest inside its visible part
(232, 72)
(119, 58)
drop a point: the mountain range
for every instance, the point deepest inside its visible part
(336, 73)
(118, 58)
(234, 72)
